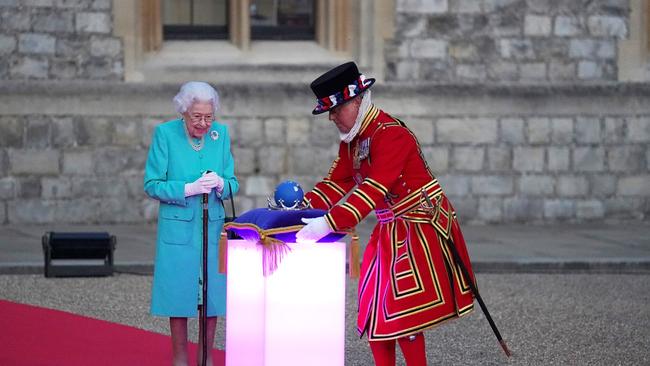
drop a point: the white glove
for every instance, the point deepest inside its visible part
(315, 229)
(218, 180)
(204, 184)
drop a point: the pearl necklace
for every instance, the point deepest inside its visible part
(195, 146)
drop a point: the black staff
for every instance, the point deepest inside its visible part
(203, 314)
(469, 281)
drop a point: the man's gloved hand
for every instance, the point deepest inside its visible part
(204, 184)
(315, 229)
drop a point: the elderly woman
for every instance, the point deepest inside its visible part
(188, 157)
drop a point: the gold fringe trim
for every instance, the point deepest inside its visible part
(273, 251)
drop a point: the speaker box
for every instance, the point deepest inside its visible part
(75, 254)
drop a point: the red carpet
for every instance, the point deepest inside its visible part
(35, 336)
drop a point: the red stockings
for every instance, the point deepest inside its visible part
(413, 349)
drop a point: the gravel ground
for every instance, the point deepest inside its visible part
(546, 319)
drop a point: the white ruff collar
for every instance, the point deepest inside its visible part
(363, 108)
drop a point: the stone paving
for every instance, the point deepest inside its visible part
(546, 319)
(561, 294)
(613, 248)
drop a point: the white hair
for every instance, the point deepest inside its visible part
(195, 91)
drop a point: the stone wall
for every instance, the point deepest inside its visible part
(507, 40)
(502, 154)
(59, 39)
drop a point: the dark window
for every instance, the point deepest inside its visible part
(195, 19)
(282, 19)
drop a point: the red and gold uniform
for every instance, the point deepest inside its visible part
(409, 280)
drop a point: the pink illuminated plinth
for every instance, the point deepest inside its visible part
(296, 316)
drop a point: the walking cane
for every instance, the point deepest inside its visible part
(203, 314)
(474, 289)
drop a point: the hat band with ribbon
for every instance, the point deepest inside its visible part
(357, 87)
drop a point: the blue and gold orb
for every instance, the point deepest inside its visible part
(288, 194)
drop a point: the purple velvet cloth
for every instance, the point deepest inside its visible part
(282, 224)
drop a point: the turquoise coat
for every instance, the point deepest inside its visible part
(170, 164)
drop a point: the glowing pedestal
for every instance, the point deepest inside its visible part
(296, 316)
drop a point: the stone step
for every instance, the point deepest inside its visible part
(220, 61)
(232, 73)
